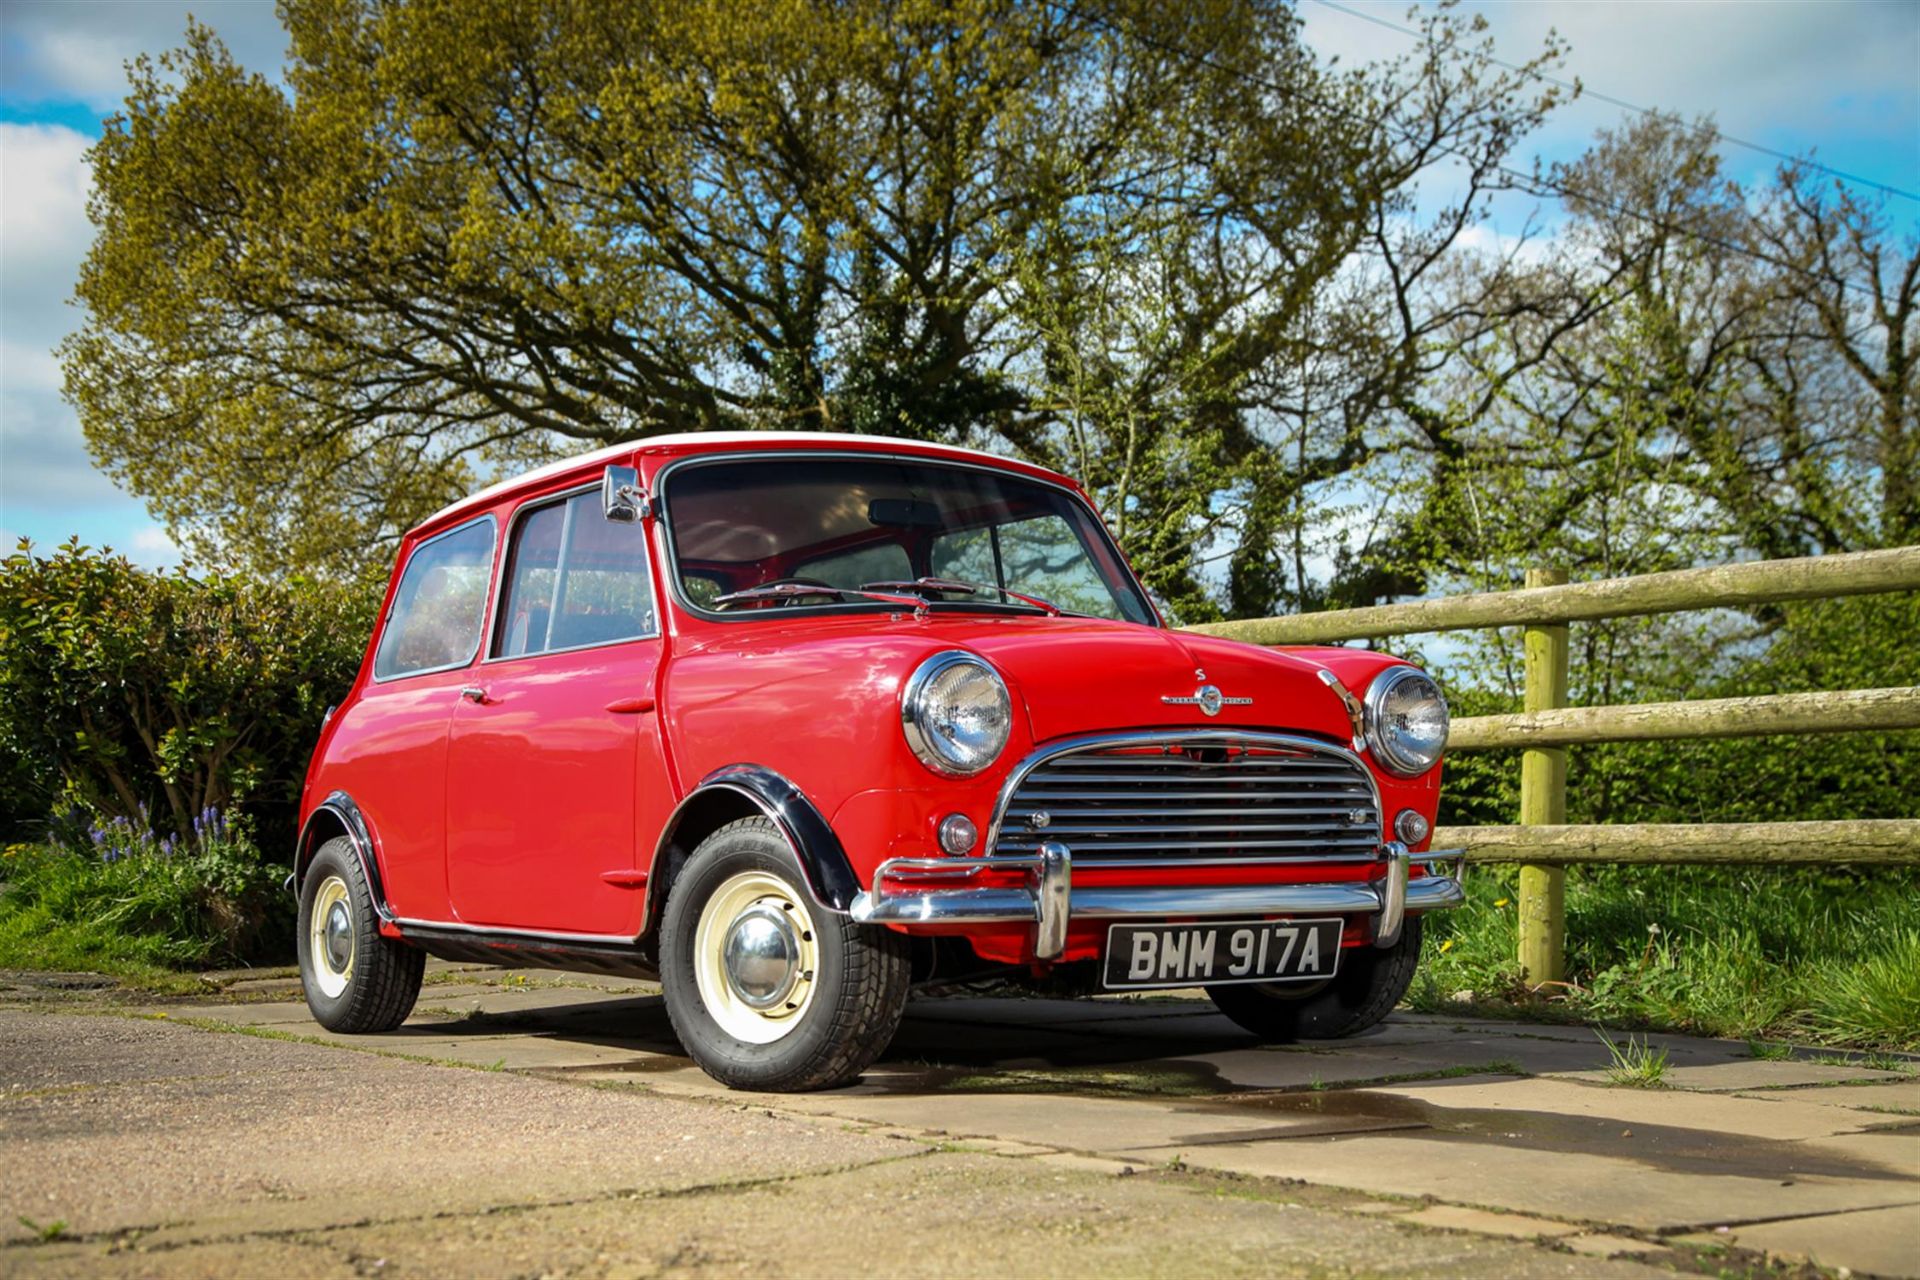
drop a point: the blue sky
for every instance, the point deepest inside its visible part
(1841, 77)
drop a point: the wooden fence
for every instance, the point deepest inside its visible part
(1543, 844)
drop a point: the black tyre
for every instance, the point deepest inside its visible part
(765, 989)
(356, 981)
(1370, 983)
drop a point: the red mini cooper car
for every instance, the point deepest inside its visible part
(795, 722)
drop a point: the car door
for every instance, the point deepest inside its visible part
(554, 752)
(390, 755)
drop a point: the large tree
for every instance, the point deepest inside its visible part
(463, 236)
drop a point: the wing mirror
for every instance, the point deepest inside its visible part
(621, 497)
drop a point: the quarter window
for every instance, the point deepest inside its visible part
(435, 622)
(574, 579)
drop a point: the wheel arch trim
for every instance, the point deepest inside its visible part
(339, 809)
(823, 860)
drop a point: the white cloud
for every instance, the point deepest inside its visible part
(152, 547)
(43, 236)
(62, 51)
(1790, 75)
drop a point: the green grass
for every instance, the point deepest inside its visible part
(141, 918)
(1636, 1064)
(1820, 956)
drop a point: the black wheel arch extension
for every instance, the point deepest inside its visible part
(338, 815)
(741, 790)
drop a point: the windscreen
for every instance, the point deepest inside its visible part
(846, 523)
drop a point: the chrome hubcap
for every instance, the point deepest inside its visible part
(330, 938)
(339, 936)
(756, 955)
(762, 956)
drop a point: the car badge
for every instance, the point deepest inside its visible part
(1208, 698)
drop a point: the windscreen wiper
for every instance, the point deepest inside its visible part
(799, 590)
(959, 587)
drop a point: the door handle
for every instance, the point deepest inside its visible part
(630, 706)
(474, 693)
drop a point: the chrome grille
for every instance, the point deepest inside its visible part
(1200, 799)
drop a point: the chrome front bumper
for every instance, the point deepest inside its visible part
(1049, 900)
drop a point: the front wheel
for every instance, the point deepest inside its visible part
(765, 989)
(355, 980)
(1371, 981)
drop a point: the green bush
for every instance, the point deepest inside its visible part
(121, 899)
(128, 692)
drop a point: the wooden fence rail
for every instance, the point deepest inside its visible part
(1854, 573)
(1542, 843)
(1847, 711)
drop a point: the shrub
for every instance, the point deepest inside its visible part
(123, 898)
(129, 692)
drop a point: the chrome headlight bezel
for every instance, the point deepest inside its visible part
(1392, 751)
(922, 723)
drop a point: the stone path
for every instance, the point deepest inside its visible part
(1030, 1136)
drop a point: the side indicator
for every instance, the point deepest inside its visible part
(624, 879)
(630, 706)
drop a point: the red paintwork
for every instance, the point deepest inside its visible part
(540, 808)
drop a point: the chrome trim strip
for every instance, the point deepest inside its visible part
(451, 926)
(1162, 737)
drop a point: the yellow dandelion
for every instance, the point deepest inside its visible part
(1503, 902)
(1446, 946)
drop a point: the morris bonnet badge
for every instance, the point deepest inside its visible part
(1208, 698)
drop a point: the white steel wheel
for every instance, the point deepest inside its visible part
(756, 957)
(330, 941)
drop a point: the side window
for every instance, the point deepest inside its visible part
(1041, 556)
(435, 623)
(882, 562)
(574, 578)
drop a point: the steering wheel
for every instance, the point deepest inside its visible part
(826, 589)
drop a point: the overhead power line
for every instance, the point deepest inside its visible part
(1532, 183)
(1650, 112)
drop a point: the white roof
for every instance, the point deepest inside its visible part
(706, 440)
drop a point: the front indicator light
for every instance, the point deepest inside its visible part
(1410, 827)
(957, 833)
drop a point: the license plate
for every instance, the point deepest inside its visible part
(1188, 955)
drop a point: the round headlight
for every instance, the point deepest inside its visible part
(956, 713)
(1406, 721)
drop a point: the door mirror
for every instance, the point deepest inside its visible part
(621, 497)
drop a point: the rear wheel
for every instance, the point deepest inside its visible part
(765, 989)
(1370, 983)
(356, 981)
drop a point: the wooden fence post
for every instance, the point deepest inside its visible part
(1543, 800)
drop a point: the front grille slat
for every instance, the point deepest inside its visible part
(1201, 800)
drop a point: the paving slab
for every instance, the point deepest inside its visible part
(1604, 1190)
(1741, 1075)
(1773, 1116)
(258, 1134)
(1518, 1226)
(1894, 1098)
(1602, 1245)
(926, 1218)
(1876, 1242)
